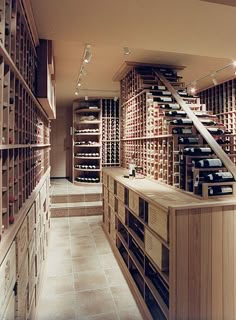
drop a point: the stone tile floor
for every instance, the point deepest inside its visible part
(64, 187)
(82, 280)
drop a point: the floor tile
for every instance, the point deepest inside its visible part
(115, 277)
(86, 263)
(95, 302)
(59, 285)
(90, 280)
(59, 307)
(80, 250)
(122, 297)
(58, 267)
(131, 313)
(104, 316)
(108, 261)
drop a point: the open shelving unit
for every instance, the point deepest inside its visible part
(95, 138)
(24, 165)
(110, 132)
(87, 141)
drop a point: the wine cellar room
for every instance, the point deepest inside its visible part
(118, 160)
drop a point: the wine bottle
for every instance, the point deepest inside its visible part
(198, 150)
(175, 114)
(189, 140)
(220, 190)
(208, 163)
(182, 121)
(221, 141)
(217, 131)
(220, 176)
(208, 122)
(162, 99)
(182, 130)
(172, 106)
(182, 92)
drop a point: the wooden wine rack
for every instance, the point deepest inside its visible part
(98, 125)
(110, 132)
(220, 100)
(24, 166)
(157, 141)
(169, 247)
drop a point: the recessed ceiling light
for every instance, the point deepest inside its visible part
(126, 51)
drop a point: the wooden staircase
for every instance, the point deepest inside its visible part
(201, 144)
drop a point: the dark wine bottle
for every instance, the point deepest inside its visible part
(220, 190)
(182, 130)
(182, 121)
(208, 163)
(189, 140)
(208, 122)
(198, 150)
(221, 141)
(172, 106)
(220, 176)
(162, 99)
(217, 131)
(175, 114)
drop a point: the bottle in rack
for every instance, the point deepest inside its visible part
(132, 166)
(220, 190)
(220, 177)
(208, 163)
(182, 121)
(197, 151)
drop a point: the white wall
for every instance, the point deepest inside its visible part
(61, 153)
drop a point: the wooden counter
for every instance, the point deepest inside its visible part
(194, 246)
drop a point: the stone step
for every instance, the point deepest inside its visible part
(75, 209)
(72, 198)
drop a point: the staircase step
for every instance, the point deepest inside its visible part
(76, 209)
(71, 198)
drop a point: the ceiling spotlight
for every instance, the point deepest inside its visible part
(86, 98)
(126, 51)
(215, 82)
(87, 54)
(193, 90)
(79, 84)
(76, 93)
(234, 63)
(115, 99)
(84, 71)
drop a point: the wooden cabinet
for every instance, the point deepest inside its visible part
(177, 252)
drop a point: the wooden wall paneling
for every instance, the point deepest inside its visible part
(194, 237)
(172, 261)
(206, 264)
(228, 263)
(182, 266)
(217, 263)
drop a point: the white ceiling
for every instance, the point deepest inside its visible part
(197, 34)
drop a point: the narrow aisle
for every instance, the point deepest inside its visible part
(82, 280)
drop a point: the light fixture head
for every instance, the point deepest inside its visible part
(79, 84)
(84, 71)
(115, 99)
(86, 98)
(215, 82)
(87, 54)
(76, 93)
(234, 63)
(193, 90)
(126, 51)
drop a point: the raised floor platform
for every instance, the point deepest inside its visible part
(69, 200)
